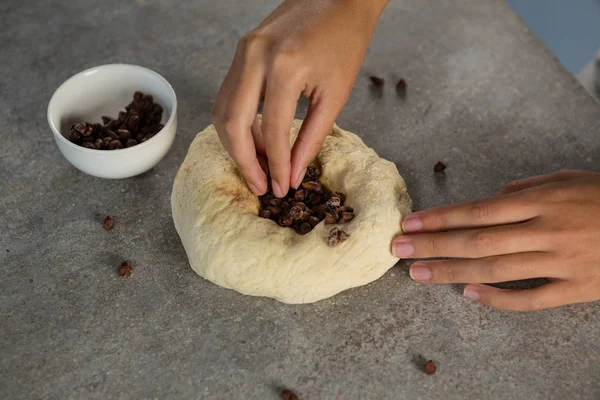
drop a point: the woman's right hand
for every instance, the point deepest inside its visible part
(312, 48)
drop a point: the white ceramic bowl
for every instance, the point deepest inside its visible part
(106, 90)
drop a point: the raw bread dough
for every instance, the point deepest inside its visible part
(227, 243)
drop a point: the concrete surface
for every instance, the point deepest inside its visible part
(484, 96)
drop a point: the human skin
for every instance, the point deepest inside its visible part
(546, 226)
(311, 48)
(541, 227)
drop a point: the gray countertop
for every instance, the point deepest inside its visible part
(484, 95)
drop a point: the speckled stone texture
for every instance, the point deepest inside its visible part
(484, 96)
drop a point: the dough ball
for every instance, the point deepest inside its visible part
(227, 243)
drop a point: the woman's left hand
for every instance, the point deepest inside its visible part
(542, 227)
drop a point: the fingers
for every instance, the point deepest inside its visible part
(279, 109)
(563, 175)
(493, 211)
(546, 296)
(493, 269)
(472, 243)
(315, 128)
(233, 115)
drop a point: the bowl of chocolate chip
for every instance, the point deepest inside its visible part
(114, 121)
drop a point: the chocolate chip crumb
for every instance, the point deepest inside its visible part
(430, 367)
(109, 222)
(401, 84)
(439, 167)
(377, 81)
(125, 269)
(287, 394)
(336, 236)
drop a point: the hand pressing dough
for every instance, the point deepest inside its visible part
(227, 243)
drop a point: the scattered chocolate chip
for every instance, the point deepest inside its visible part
(377, 81)
(287, 394)
(401, 84)
(109, 222)
(125, 269)
(336, 236)
(439, 167)
(430, 367)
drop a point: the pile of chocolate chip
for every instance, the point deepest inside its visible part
(139, 122)
(304, 208)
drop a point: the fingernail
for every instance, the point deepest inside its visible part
(299, 178)
(471, 293)
(420, 273)
(412, 223)
(403, 249)
(277, 189)
(254, 189)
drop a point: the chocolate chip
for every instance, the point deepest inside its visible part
(88, 145)
(336, 236)
(109, 222)
(430, 367)
(439, 167)
(274, 211)
(98, 144)
(296, 212)
(334, 201)
(106, 120)
(300, 195)
(315, 198)
(131, 143)
(305, 228)
(312, 174)
(313, 221)
(125, 269)
(112, 135)
(275, 201)
(286, 220)
(377, 81)
(287, 394)
(347, 217)
(331, 218)
(123, 134)
(401, 84)
(313, 186)
(265, 213)
(115, 145)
